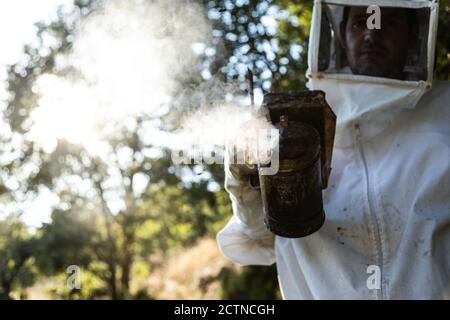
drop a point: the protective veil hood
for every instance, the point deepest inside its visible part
(369, 103)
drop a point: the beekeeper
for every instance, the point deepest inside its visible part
(387, 228)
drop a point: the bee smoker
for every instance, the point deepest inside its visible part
(292, 198)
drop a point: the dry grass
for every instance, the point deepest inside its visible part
(40, 291)
(191, 273)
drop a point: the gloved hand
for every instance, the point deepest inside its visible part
(245, 239)
(246, 197)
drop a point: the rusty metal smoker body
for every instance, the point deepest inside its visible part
(292, 198)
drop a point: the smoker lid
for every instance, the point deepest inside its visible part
(308, 107)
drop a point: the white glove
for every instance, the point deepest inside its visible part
(245, 239)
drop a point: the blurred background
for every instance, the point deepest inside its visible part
(91, 95)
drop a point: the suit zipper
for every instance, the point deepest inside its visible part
(371, 209)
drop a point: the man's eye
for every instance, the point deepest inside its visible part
(392, 22)
(359, 24)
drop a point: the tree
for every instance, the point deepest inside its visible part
(16, 256)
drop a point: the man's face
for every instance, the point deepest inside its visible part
(378, 52)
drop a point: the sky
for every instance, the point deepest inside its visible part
(17, 18)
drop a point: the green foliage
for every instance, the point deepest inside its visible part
(68, 240)
(16, 262)
(178, 217)
(276, 56)
(294, 33)
(442, 71)
(92, 287)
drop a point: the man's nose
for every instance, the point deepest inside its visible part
(371, 35)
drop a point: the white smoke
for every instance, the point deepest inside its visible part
(135, 53)
(131, 58)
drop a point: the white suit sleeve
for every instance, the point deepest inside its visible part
(245, 239)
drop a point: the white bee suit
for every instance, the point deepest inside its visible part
(387, 205)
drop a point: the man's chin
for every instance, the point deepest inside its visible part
(372, 70)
